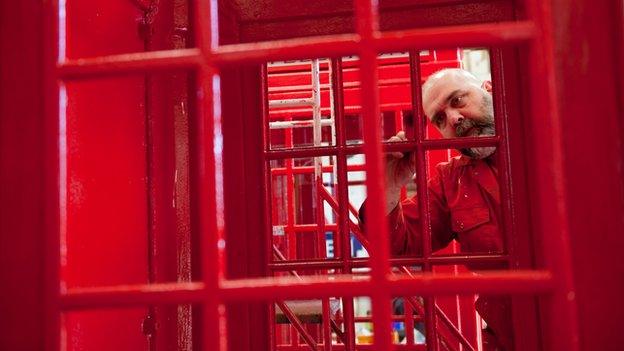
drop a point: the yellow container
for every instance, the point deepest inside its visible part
(365, 339)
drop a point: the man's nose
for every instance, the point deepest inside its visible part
(455, 118)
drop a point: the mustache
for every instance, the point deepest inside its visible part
(468, 124)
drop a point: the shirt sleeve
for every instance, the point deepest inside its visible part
(441, 230)
(404, 223)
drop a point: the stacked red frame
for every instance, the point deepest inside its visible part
(213, 290)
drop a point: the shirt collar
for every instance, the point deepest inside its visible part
(465, 160)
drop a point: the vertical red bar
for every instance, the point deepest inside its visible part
(209, 175)
(268, 197)
(320, 217)
(344, 229)
(268, 194)
(291, 234)
(422, 162)
(54, 187)
(502, 153)
(561, 320)
(398, 126)
(367, 25)
(327, 339)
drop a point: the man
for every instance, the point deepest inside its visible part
(464, 193)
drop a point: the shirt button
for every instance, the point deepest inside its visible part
(465, 195)
(461, 225)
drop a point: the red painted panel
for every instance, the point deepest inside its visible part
(24, 177)
(106, 190)
(106, 330)
(591, 89)
(106, 236)
(102, 27)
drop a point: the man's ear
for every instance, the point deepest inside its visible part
(487, 85)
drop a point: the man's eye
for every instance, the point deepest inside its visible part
(437, 119)
(457, 101)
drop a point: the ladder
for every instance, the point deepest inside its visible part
(317, 122)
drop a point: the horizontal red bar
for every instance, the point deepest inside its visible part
(288, 49)
(360, 347)
(490, 34)
(493, 282)
(490, 282)
(395, 317)
(302, 152)
(277, 171)
(129, 63)
(281, 114)
(394, 262)
(299, 48)
(283, 288)
(456, 143)
(298, 228)
(436, 144)
(429, 144)
(503, 33)
(133, 295)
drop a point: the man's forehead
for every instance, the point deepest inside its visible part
(446, 82)
(439, 91)
(442, 85)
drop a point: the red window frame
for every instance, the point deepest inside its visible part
(295, 81)
(553, 281)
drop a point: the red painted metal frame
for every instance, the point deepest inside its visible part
(55, 175)
(343, 240)
(297, 80)
(367, 25)
(209, 176)
(559, 311)
(214, 290)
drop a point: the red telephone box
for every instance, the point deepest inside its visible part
(192, 175)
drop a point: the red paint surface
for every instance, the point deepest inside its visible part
(28, 166)
(106, 209)
(106, 176)
(23, 182)
(126, 217)
(593, 170)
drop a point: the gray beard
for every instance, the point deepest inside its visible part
(478, 152)
(484, 127)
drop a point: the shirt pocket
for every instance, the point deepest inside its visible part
(465, 219)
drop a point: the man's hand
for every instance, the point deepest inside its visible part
(400, 169)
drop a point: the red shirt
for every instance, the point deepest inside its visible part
(464, 205)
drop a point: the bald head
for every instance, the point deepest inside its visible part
(443, 82)
(459, 105)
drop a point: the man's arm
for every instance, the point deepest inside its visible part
(403, 218)
(400, 169)
(405, 228)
